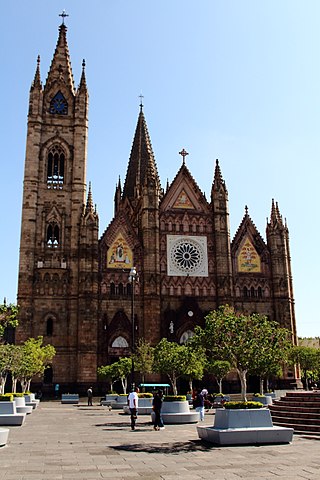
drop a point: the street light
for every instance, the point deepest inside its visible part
(133, 277)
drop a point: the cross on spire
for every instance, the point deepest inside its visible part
(63, 15)
(141, 97)
(183, 153)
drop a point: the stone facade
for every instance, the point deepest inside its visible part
(74, 288)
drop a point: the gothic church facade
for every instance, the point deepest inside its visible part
(73, 286)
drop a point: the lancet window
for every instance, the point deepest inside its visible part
(55, 168)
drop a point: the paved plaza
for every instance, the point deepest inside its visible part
(78, 442)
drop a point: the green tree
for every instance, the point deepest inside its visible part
(8, 316)
(240, 339)
(143, 358)
(118, 371)
(6, 358)
(195, 363)
(308, 359)
(109, 373)
(172, 360)
(219, 369)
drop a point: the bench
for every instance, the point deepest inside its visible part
(71, 398)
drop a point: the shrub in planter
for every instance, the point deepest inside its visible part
(18, 394)
(258, 395)
(6, 397)
(175, 398)
(242, 405)
(145, 395)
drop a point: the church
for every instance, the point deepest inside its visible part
(165, 260)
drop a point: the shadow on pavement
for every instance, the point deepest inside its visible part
(172, 448)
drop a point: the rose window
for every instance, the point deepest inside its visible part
(186, 256)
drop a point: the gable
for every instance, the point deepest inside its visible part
(184, 194)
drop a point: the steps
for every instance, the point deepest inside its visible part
(299, 410)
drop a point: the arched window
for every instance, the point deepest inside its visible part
(55, 168)
(129, 289)
(53, 235)
(252, 292)
(50, 327)
(245, 292)
(120, 342)
(259, 292)
(112, 289)
(120, 289)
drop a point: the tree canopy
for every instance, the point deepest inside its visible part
(246, 341)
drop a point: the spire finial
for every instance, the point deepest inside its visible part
(246, 209)
(63, 15)
(183, 153)
(141, 99)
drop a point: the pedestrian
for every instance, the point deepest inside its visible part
(157, 406)
(133, 407)
(56, 390)
(199, 403)
(90, 395)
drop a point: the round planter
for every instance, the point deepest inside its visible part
(177, 413)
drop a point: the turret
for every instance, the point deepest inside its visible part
(278, 243)
(221, 232)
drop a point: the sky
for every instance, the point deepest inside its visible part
(236, 80)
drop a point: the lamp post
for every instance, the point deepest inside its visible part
(133, 276)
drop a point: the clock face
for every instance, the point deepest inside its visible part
(187, 255)
(58, 105)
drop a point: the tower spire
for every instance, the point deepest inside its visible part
(142, 165)
(60, 69)
(89, 207)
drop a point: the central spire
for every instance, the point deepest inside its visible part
(142, 164)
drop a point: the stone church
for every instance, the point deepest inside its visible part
(74, 286)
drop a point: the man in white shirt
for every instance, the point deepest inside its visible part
(133, 406)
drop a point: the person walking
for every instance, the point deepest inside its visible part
(157, 406)
(90, 395)
(133, 407)
(199, 402)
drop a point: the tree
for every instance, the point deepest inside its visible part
(219, 369)
(240, 339)
(8, 317)
(143, 358)
(36, 358)
(121, 370)
(6, 360)
(195, 363)
(109, 373)
(173, 360)
(307, 358)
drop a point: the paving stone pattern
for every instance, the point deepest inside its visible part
(66, 442)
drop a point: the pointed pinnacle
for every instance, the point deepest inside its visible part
(37, 80)
(89, 207)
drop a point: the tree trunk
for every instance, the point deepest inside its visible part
(243, 380)
(14, 385)
(220, 385)
(190, 385)
(261, 385)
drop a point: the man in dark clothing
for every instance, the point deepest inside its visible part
(157, 406)
(90, 395)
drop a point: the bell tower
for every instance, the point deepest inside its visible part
(59, 229)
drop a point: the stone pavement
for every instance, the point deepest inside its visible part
(65, 442)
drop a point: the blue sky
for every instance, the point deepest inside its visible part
(234, 80)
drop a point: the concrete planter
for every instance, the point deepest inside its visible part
(178, 412)
(31, 401)
(21, 405)
(120, 402)
(244, 427)
(9, 414)
(4, 433)
(265, 400)
(144, 406)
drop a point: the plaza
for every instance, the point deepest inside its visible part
(79, 442)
